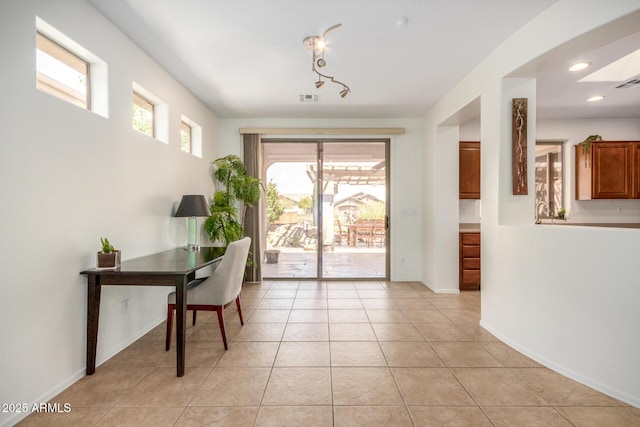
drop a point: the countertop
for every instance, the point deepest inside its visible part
(469, 227)
(595, 224)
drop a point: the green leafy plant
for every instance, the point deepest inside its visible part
(586, 147)
(236, 188)
(561, 213)
(107, 248)
(275, 209)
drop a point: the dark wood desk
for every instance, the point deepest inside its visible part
(175, 267)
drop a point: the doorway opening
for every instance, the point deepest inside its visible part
(327, 211)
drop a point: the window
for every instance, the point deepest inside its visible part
(190, 137)
(549, 191)
(68, 71)
(185, 137)
(61, 73)
(142, 114)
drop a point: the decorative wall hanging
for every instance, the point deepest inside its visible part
(317, 45)
(519, 146)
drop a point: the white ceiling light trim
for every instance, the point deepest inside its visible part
(579, 66)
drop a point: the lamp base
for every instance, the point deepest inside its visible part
(192, 240)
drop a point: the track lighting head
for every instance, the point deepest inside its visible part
(317, 45)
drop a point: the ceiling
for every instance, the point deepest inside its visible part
(245, 58)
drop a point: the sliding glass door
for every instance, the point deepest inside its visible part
(326, 209)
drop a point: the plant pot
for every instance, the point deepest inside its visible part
(108, 261)
(272, 256)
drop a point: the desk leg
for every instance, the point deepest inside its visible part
(181, 322)
(93, 313)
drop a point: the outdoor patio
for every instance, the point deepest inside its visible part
(342, 262)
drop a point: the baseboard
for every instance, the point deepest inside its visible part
(441, 291)
(79, 374)
(567, 372)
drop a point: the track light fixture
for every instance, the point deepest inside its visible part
(317, 45)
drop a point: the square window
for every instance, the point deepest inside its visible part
(185, 137)
(61, 73)
(142, 115)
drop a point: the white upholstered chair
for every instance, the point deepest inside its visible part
(218, 290)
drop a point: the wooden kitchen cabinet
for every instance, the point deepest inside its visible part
(469, 261)
(469, 170)
(636, 170)
(608, 171)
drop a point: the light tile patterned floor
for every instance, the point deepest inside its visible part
(336, 354)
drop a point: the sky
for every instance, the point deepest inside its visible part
(292, 178)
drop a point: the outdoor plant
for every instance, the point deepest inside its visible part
(235, 190)
(275, 209)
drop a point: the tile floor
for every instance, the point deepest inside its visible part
(335, 354)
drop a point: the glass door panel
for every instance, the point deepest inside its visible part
(354, 210)
(326, 209)
(291, 218)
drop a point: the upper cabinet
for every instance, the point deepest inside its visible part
(608, 171)
(469, 170)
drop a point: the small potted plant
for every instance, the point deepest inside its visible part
(562, 213)
(108, 257)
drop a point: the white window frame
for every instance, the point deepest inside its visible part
(196, 136)
(160, 121)
(54, 43)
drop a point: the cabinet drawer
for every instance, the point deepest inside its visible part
(471, 264)
(471, 276)
(471, 252)
(471, 239)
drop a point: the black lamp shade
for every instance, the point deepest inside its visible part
(193, 205)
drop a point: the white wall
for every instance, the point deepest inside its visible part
(573, 132)
(69, 177)
(583, 320)
(406, 190)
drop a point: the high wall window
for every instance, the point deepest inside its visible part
(190, 137)
(68, 71)
(61, 73)
(149, 114)
(185, 137)
(549, 191)
(142, 115)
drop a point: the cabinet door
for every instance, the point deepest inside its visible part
(469, 170)
(636, 170)
(612, 177)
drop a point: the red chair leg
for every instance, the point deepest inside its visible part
(221, 323)
(239, 309)
(170, 309)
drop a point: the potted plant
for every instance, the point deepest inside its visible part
(108, 257)
(586, 147)
(562, 213)
(236, 188)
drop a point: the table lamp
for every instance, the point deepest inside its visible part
(192, 206)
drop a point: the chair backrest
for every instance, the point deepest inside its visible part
(225, 283)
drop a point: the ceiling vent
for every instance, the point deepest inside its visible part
(310, 98)
(629, 84)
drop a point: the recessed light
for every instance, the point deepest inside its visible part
(579, 66)
(595, 98)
